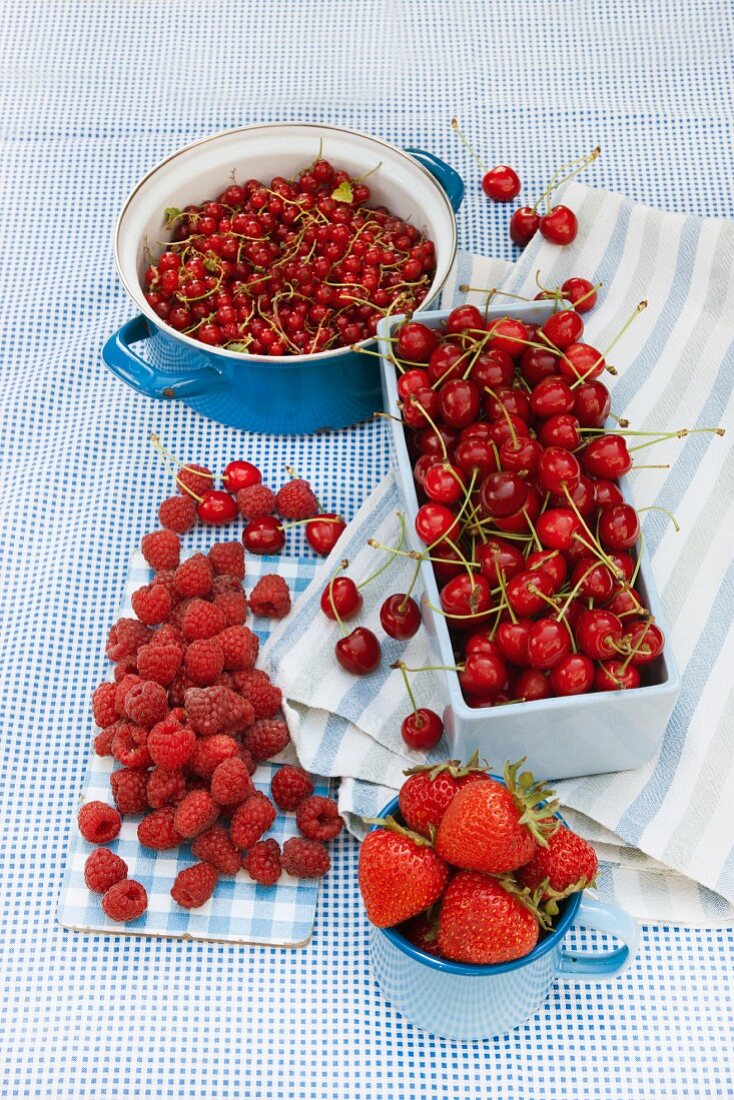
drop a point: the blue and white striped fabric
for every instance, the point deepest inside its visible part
(240, 911)
(676, 368)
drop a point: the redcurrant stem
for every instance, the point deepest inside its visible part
(482, 167)
(658, 508)
(392, 554)
(572, 168)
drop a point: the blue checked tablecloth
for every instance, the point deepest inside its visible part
(93, 95)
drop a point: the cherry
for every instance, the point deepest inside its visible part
(557, 527)
(551, 562)
(558, 467)
(341, 599)
(323, 531)
(400, 616)
(594, 580)
(417, 404)
(264, 535)
(476, 455)
(563, 328)
(592, 403)
(532, 684)
(551, 397)
(625, 600)
(561, 430)
(359, 652)
(481, 641)
(458, 402)
(444, 483)
(607, 456)
(521, 456)
(583, 495)
(524, 224)
(507, 400)
(217, 507)
(581, 361)
(508, 427)
(598, 631)
(646, 641)
(502, 494)
(429, 441)
(447, 562)
(422, 729)
(619, 526)
(580, 292)
(435, 522)
(607, 492)
(512, 639)
(240, 475)
(613, 675)
(416, 342)
(492, 368)
(519, 522)
(560, 225)
(411, 381)
(464, 319)
(421, 467)
(547, 642)
(572, 675)
(466, 599)
(509, 335)
(483, 674)
(501, 183)
(445, 363)
(536, 364)
(525, 592)
(498, 556)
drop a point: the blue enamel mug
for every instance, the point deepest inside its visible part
(290, 394)
(462, 1001)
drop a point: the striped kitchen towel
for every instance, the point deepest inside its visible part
(664, 830)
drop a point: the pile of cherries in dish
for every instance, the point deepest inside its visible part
(533, 545)
(297, 266)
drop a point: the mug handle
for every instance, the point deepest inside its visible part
(602, 966)
(447, 176)
(143, 376)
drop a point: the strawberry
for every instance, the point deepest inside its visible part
(399, 874)
(428, 790)
(495, 827)
(482, 922)
(567, 865)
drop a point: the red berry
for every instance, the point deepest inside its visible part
(318, 818)
(215, 846)
(501, 183)
(524, 224)
(157, 830)
(204, 661)
(161, 549)
(251, 819)
(202, 620)
(262, 862)
(422, 729)
(270, 597)
(170, 744)
(341, 599)
(152, 604)
(195, 813)
(256, 687)
(194, 480)
(305, 858)
(296, 500)
(125, 900)
(322, 532)
(400, 616)
(98, 822)
(559, 225)
(231, 782)
(264, 535)
(255, 501)
(228, 559)
(358, 652)
(290, 786)
(239, 475)
(129, 790)
(103, 869)
(177, 513)
(194, 885)
(266, 738)
(580, 292)
(194, 576)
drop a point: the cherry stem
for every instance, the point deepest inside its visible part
(393, 552)
(416, 403)
(572, 168)
(682, 433)
(594, 544)
(491, 292)
(659, 508)
(639, 308)
(431, 668)
(416, 573)
(175, 467)
(574, 590)
(533, 532)
(414, 705)
(506, 414)
(503, 586)
(343, 565)
(450, 614)
(482, 167)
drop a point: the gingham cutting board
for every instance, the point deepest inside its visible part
(240, 911)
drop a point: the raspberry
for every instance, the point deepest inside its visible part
(132, 752)
(225, 582)
(126, 900)
(210, 752)
(194, 479)
(126, 683)
(195, 813)
(129, 789)
(255, 501)
(104, 739)
(178, 514)
(296, 500)
(251, 819)
(152, 604)
(164, 787)
(204, 661)
(215, 846)
(246, 755)
(161, 549)
(228, 558)
(98, 822)
(168, 634)
(165, 577)
(266, 738)
(231, 782)
(159, 662)
(305, 858)
(178, 687)
(289, 786)
(103, 869)
(125, 638)
(265, 697)
(202, 620)
(146, 703)
(194, 576)
(158, 831)
(233, 606)
(224, 679)
(240, 646)
(125, 666)
(170, 744)
(103, 704)
(262, 862)
(194, 885)
(214, 709)
(318, 818)
(270, 597)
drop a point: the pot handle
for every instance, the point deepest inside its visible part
(143, 376)
(605, 965)
(447, 176)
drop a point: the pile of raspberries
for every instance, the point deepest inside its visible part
(188, 718)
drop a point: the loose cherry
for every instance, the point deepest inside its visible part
(501, 183)
(551, 397)
(264, 535)
(400, 616)
(524, 224)
(520, 456)
(607, 492)
(422, 729)
(444, 483)
(481, 641)
(359, 652)
(240, 475)
(557, 527)
(561, 430)
(536, 364)
(458, 402)
(497, 556)
(551, 562)
(492, 368)
(526, 590)
(580, 293)
(512, 639)
(435, 522)
(466, 599)
(502, 494)
(560, 225)
(341, 599)
(581, 361)
(217, 507)
(464, 319)
(509, 335)
(646, 641)
(558, 467)
(594, 580)
(483, 674)
(323, 531)
(411, 381)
